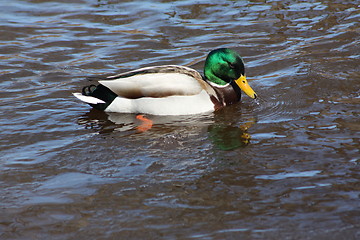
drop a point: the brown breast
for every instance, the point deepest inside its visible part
(227, 95)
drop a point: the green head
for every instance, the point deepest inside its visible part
(223, 66)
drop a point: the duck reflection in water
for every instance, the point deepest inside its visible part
(225, 135)
(230, 137)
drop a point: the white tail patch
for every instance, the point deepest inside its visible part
(88, 99)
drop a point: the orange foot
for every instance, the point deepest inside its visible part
(145, 125)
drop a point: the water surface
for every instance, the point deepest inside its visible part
(286, 167)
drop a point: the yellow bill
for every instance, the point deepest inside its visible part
(243, 84)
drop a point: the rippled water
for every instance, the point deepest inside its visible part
(284, 168)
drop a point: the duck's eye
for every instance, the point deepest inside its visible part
(232, 66)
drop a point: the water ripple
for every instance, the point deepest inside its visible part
(68, 172)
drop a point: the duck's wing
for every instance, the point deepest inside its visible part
(156, 82)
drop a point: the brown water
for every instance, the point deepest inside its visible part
(68, 172)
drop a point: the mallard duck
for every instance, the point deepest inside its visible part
(172, 89)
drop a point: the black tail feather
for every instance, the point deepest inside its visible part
(88, 90)
(100, 92)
